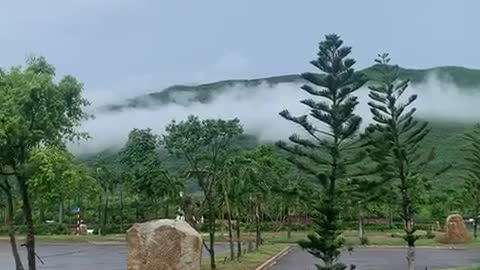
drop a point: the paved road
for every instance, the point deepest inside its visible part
(113, 257)
(386, 259)
(77, 256)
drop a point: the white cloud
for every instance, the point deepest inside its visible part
(258, 108)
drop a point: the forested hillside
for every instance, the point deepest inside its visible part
(445, 135)
(463, 78)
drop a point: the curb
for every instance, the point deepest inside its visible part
(416, 247)
(270, 262)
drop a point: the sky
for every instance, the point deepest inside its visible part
(122, 48)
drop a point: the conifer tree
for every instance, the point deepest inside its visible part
(331, 125)
(471, 192)
(396, 138)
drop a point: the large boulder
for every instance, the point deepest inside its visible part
(456, 232)
(163, 245)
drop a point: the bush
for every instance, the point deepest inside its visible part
(3, 230)
(40, 229)
(430, 234)
(396, 235)
(58, 229)
(364, 241)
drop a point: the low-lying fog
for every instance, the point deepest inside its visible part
(258, 108)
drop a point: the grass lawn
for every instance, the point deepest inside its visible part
(249, 261)
(70, 238)
(374, 238)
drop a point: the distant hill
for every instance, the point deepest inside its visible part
(462, 77)
(445, 136)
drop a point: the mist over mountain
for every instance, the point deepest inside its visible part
(446, 94)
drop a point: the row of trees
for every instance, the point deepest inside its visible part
(336, 153)
(37, 116)
(204, 170)
(233, 183)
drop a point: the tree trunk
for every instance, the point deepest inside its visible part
(105, 216)
(167, 209)
(258, 235)
(137, 211)
(211, 228)
(27, 211)
(99, 219)
(289, 224)
(121, 210)
(11, 228)
(408, 226)
(61, 210)
(239, 241)
(477, 214)
(230, 239)
(475, 226)
(42, 215)
(390, 216)
(361, 227)
(230, 228)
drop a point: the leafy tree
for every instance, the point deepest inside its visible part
(107, 179)
(7, 189)
(54, 176)
(248, 181)
(204, 145)
(329, 151)
(360, 193)
(224, 186)
(396, 138)
(235, 188)
(471, 191)
(263, 173)
(142, 164)
(35, 111)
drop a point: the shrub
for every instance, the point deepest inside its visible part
(364, 241)
(430, 234)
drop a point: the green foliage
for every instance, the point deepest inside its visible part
(471, 191)
(106, 175)
(328, 154)
(396, 139)
(430, 234)
(364, 241)
(54, 176)
(36, 111)
(144, 170)
(264, 170)
(204, 145)
(464, 78)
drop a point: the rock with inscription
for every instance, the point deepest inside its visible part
(163, 245)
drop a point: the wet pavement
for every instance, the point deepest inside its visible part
(386, 259)
(113, 257)
(77, 256)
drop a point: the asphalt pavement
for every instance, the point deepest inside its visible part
(75, 256)
(385, 259)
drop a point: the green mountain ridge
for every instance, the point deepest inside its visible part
(445, 135)
(463, 78)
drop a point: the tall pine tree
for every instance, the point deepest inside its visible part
(471, 191)
(396, 138)
(329, 150)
